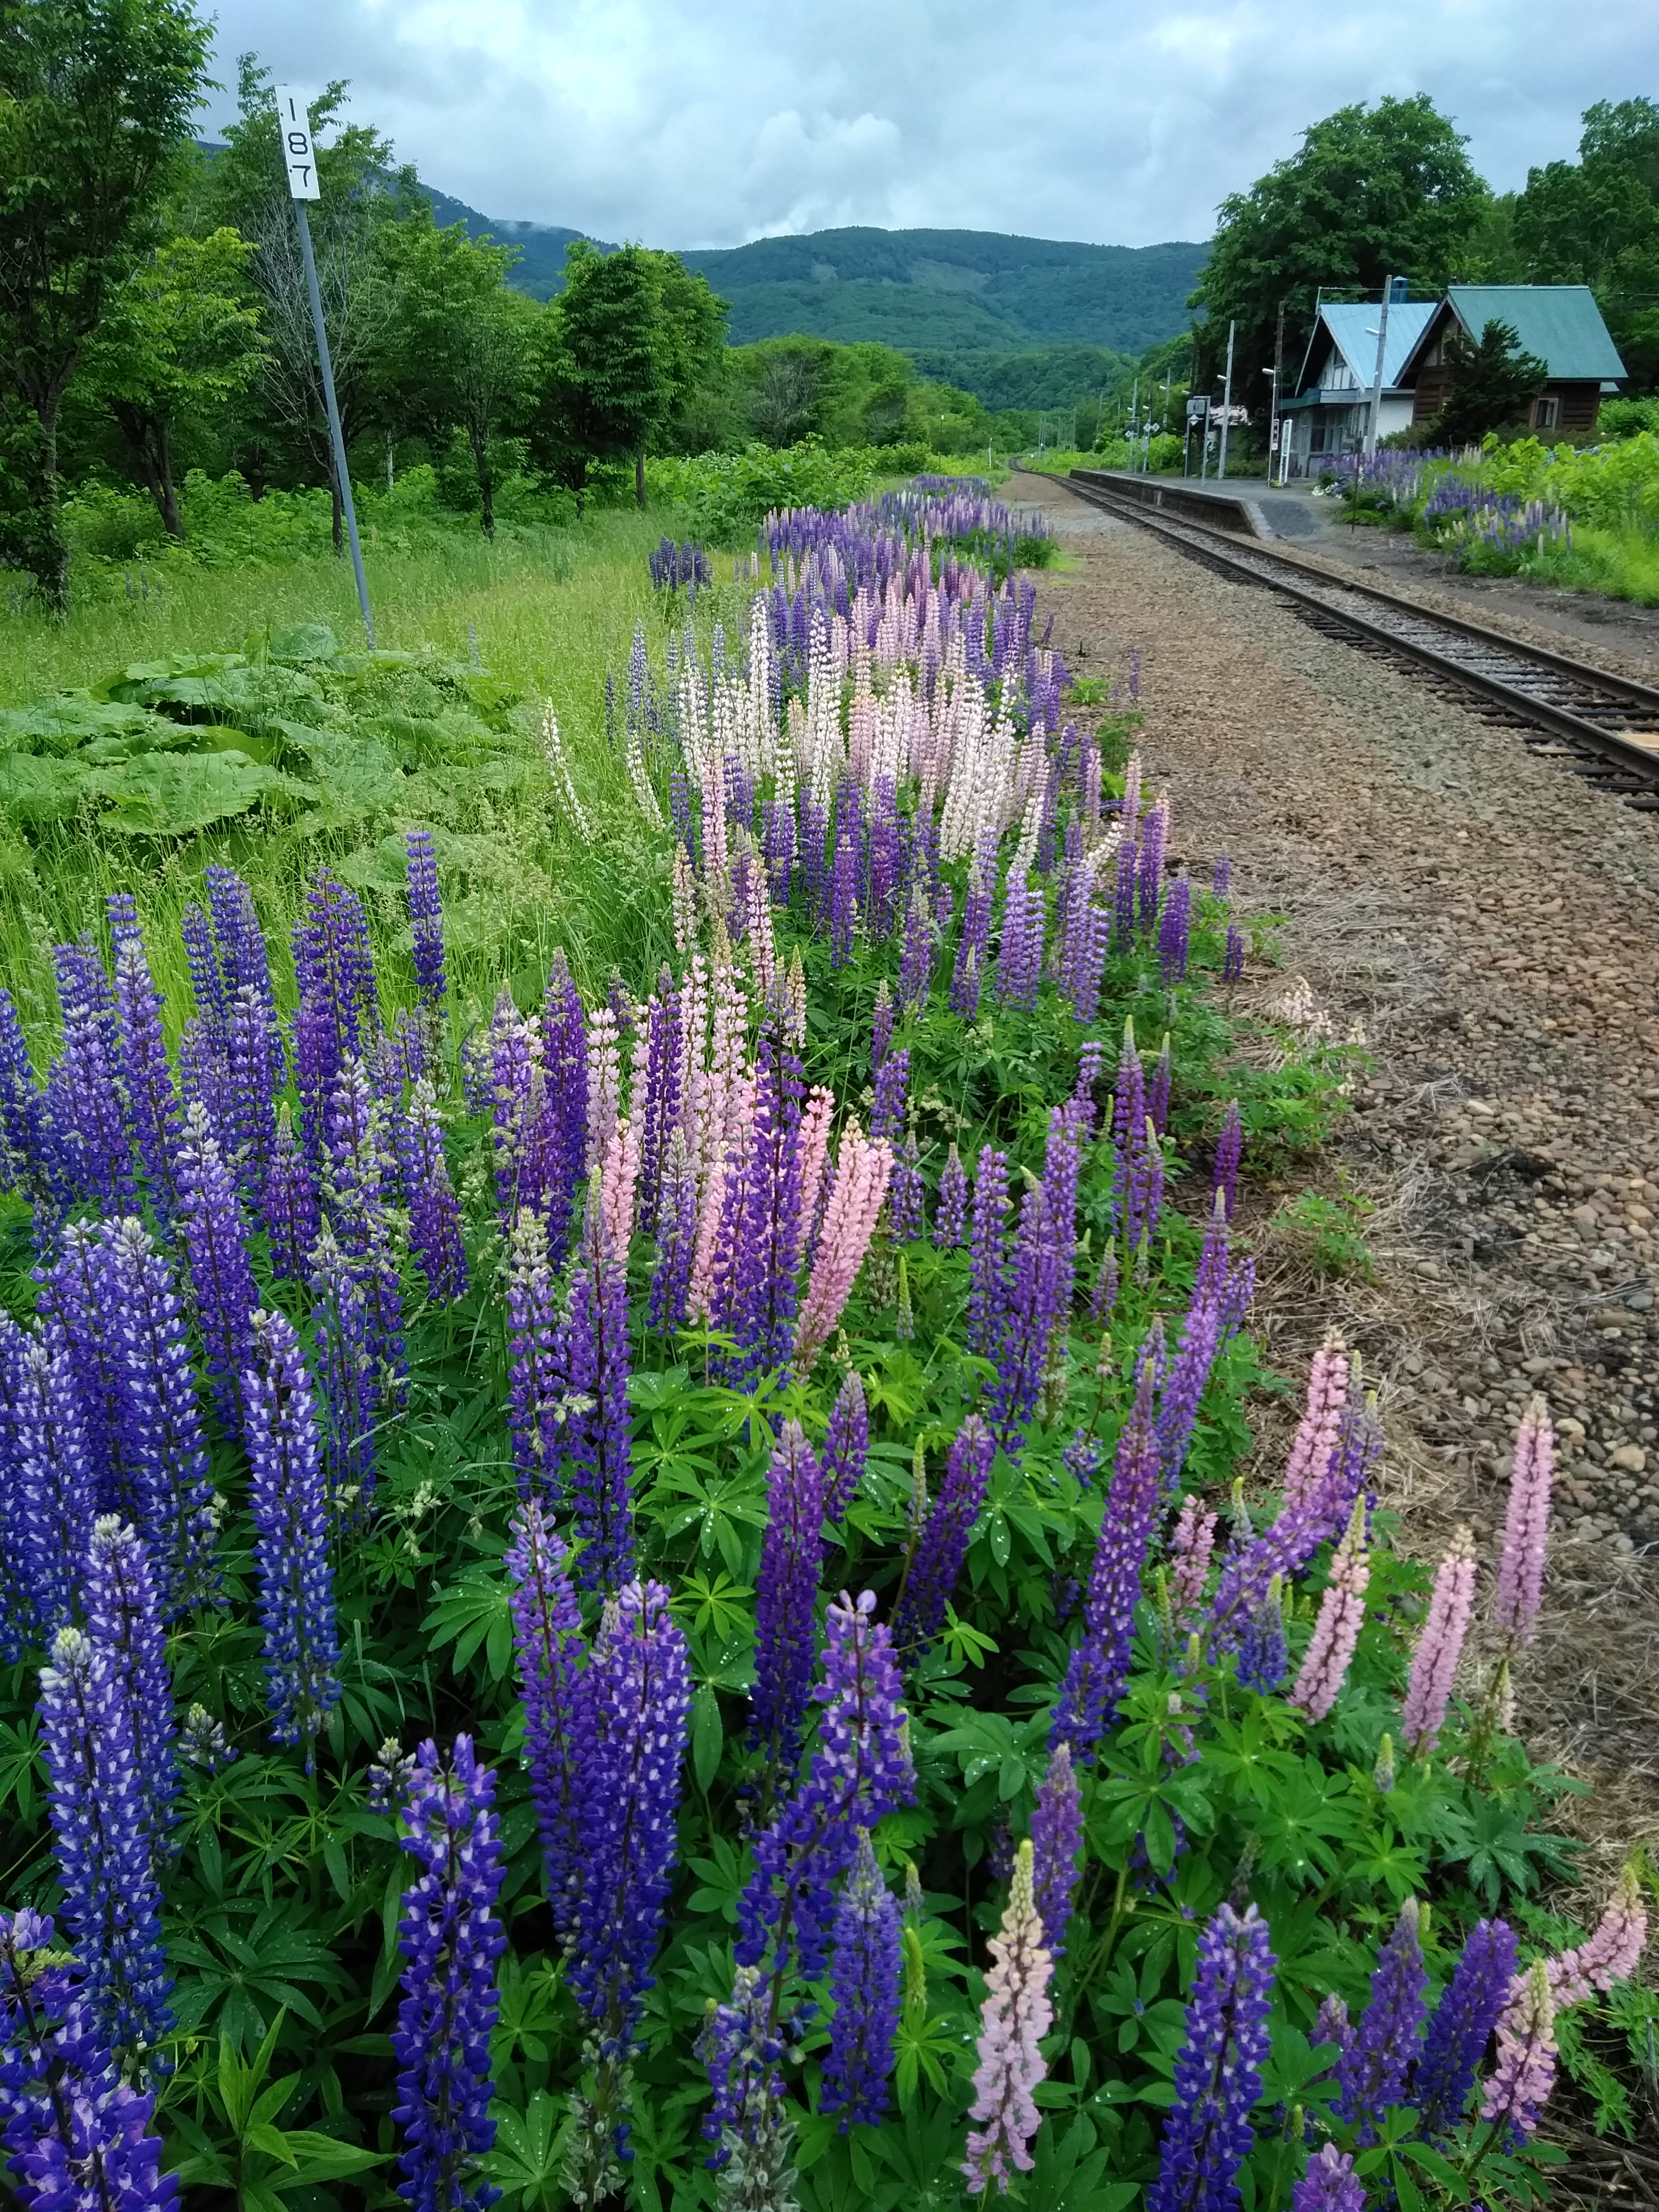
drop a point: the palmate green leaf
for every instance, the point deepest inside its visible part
(528, 2153)
(473, 1611)
(176, 794)
(34, 792)
(22, 1771)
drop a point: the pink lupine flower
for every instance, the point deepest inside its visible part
(1336, 1631)
(1526, 1527)
(816, 1117)
(1525, 2073)
(1190, 1548)
(1322, 1416)
(1439, 1648)
(1612, 1952)
(619, 1175)
(850, 1223)
(1016, 2016)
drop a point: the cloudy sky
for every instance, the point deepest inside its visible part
(714, 122)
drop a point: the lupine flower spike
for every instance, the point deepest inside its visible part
(1526, 1526)
(1218, 2074)
(1336, 1631)
(1016, 2016)
(1439, 1648)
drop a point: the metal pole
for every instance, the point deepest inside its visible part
(1226, 405)
(342, 474)
(1376, 389)
(1273, 432)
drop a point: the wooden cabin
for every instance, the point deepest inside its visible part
(1330, 411)
(1560, 323)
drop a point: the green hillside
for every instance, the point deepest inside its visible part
(1049, 376)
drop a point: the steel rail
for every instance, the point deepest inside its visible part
(1322, 593)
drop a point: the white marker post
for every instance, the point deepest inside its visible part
(293, 122)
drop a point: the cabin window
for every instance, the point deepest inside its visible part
(1545, 412)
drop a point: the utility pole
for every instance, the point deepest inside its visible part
(1272, 427)
(293, 120)
(1226, 405)
(1374, 423)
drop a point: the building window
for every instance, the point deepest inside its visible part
(1544, 412)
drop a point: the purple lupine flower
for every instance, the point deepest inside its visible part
(75, 1310)
(1123, 889)
(592, 1356)
(665, 1034)
(1264, 1658)
(637, 1698)
(102, 1832)
(864, 1966)
(1056, 1840)
(207, 976)
(1221, 879)
(357, 1170)
(1330, 2185)
(906, 1195)
(146, 1078)
(426, 916)
(843, 890)
(1218, 2073)
(845, 1447)
(1232, 961)
(244, 962)
(55, 1498)
(1461, 2026)
(951, 1222)
(346, 1377)
(564, 1046)
(916, 962)
(747, 2119)
(1040, 1281)
(451, 1937)
(1157, 1089)
(24, 1162)
(859, 1772)
(339, 1004)
(757, 1281)
(89, 1128)
(941, 1545)
(785, 1597)
(677, 1237)
(1019, 949)
(1371, 2075)
(77, 2136)
(124, 1617)
(987, 1274)
(1098, 1672)
(289, 1503)
(1154, 831)
(1103, 1299)
(289, 1203)
(1183, 1385)
(1174, 928)
(973, 944)
(892, 1090)
(547, 1634)
(162, 1445)
(251, 1083)
(534, 1381)
(1228, 1151)
(434, 1212)
(881, 1027)
(211, 1231)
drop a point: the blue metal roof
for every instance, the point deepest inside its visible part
(1560, 323)
(1353, 328)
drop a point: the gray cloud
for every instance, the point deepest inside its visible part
(1062, 118)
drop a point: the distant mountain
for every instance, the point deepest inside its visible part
(939, 292)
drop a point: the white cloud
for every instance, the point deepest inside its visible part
(1100, 119)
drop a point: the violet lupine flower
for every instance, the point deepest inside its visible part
(591, 1353)
(1157, 1089)
(1263, 1656)
(864, 1966)
(211, 1231)
(1102, 1299)
(860, 1770)
(843, 878)
(1304, 1522)
(1519, 2086)
(1183, 1384)
(547, 1635)
(1331, 2025)
(357, 1170)
(251, 1083)
(881, 1027)
(973, 944)
(951, 1222)
(747, 2119)
(1370, 2077)
(1229, 1151)
(1014, 2019)
(83, 1096)
(756, 1273)
(163, 1446)
(845, 1447)
(1056, 1840)
(1232, 960)
(24, 1157)
(1190, 1548)
(289, 1504)
(637, 1698)
(1439, 1647)
(451, 1937)
(146, 1078)
(77, 2136)
(55, 1497)
(434, 1212)
(1154, 833)
(124, 1617)
(907, 1196)
(1173, 930)
(75, 1311)
(785, 1597)
(677, 1237)
(289, 1206)
(1218, 2074)
(1341, 1614)
(916, 962)
(244, 962)
(892, 1089)
(850, 1222)
(1019, 949)
(534, 1380)
(942, 1544)
(1330, 2185)
(1461, 2028)
(564, 1043)
(1526, 1526)
(1613, 1950)
(426, 916)
(1098, 1672)
(987, 1270)
(101, 1834)
(207, 975)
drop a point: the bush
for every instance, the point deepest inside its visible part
(726, 494)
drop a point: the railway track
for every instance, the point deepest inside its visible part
(1601, 726)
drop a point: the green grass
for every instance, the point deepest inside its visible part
(1624, 564)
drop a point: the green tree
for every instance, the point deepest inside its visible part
(97, 98)
(463, 350)
(178, 344)
(1490, 385)
(1377, 192)
(1595, 222)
